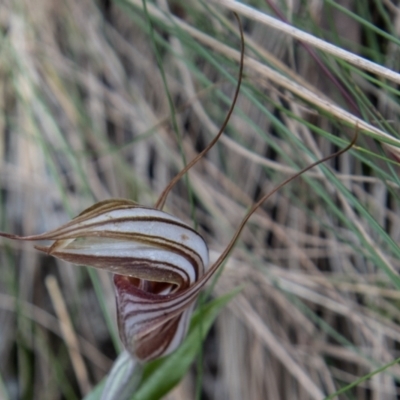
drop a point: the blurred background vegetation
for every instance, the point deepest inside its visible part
(94, 104)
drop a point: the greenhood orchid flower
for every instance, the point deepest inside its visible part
(159, 263)
(155, 259)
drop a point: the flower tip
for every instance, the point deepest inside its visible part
(10, 236)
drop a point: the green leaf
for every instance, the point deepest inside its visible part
(362, 379)
(96, 393)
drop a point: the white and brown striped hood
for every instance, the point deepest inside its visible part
(158, 264)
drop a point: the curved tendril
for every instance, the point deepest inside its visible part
(255, 206)
(161, 200)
